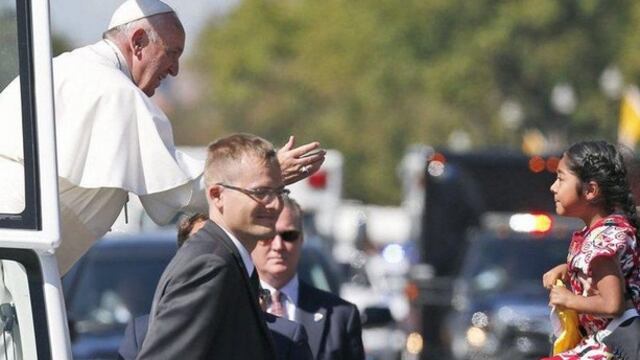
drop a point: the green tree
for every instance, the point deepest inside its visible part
(59, 44)
(8, 47)
(370, 77)
(9, 66)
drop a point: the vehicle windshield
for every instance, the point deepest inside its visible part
(500, 264)
(110, 291)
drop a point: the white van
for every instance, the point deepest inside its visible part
(33, 322)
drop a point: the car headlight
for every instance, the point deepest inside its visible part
(481, 340)
(480, 334)
(414, 343)
(476, 337)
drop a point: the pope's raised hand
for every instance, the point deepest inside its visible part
(299, 162)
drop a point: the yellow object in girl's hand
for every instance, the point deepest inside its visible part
(566, 327)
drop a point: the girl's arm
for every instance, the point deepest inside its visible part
(549, 278)
(608, 299)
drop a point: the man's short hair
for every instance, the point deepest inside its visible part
(295, 208)
(224, 155)
(185, 226)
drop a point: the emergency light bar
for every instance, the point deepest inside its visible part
(530, 223)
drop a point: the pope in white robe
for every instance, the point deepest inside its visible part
(112, 139)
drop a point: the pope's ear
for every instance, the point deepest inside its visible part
(138, 40)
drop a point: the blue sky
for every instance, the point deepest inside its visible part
(83, 21)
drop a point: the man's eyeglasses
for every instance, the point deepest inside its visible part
(263, 195)
(286, 236)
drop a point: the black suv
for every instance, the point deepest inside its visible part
(500, 308)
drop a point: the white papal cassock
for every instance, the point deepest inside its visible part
(111, 139)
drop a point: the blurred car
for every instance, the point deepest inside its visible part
(500, 308)
(115, 282)
(377, 279)
(111, 284)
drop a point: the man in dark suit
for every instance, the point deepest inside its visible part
(333, 324)
(289, 337)
(206, 302)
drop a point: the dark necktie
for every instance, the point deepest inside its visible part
(261, 294)
(254, 280)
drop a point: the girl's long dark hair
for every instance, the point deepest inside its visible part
(601, 162)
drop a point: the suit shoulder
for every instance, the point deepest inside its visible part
(200, 256)
(204, 253)
(208, 241)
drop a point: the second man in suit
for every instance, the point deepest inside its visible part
(333, 324)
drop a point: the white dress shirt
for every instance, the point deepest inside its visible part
(289, 296)
(244, 253)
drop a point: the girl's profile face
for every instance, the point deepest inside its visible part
(567, 196)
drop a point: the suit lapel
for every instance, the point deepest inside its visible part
(313, 316)
(229, 245)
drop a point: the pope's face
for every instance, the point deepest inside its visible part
(243, 214)
(158, 59)
(277, 258)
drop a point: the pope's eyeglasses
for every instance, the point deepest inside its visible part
(264, 195)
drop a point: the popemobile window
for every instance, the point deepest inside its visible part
(18, 200)
(32, 322)
(12, 181)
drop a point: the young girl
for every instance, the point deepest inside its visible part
(602, 266)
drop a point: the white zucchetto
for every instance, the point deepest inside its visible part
(132, 10)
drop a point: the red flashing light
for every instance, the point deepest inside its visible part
(411, 291)
(552, 164)
(543, 223)
(318, 180)
(537, 164)
(438, 157)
